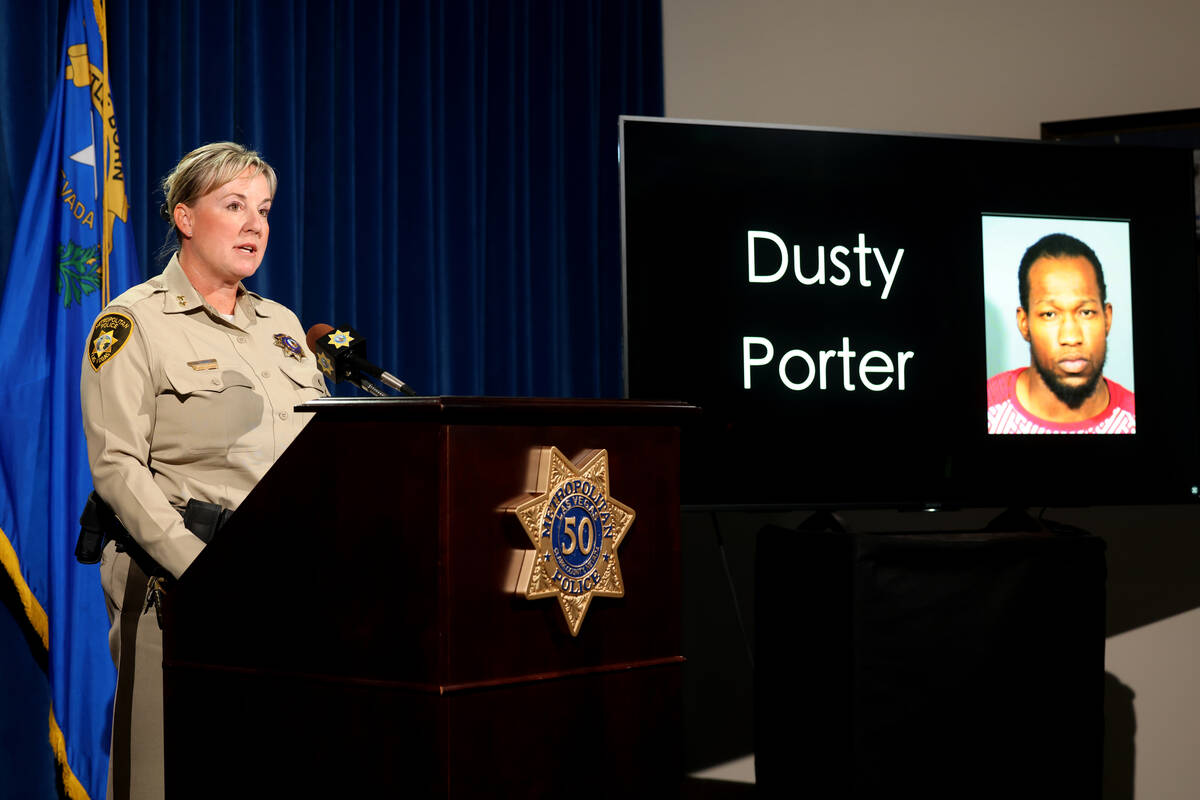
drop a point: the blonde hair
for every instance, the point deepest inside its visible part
(201, 171)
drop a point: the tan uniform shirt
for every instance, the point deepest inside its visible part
(180, 403)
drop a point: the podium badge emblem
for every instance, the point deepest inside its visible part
(575, 526)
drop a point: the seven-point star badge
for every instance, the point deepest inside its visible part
(575, 527)
(340, 338)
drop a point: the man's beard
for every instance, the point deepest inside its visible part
(1072, 396)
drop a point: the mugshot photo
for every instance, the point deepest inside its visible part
(1058, 317)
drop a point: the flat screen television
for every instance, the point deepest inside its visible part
(845, 308)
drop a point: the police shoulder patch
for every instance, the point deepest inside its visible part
(109, 335)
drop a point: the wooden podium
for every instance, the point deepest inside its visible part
(354, 630)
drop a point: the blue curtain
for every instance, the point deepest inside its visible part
(448, 168)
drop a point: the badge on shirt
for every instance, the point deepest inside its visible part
(289, 346)
(109, 335)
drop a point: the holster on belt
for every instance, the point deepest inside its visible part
(204, 519)
(98, 525)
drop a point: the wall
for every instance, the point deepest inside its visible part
(991, 69)
(988, 69)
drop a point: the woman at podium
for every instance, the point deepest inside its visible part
(188, 386)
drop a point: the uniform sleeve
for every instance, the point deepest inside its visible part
(118, 393)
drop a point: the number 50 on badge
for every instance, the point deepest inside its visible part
(575, 526)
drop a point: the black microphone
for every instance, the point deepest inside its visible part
(342, 356)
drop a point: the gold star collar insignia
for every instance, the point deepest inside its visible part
(575, 527)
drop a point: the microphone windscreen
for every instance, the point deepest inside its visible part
(315, 333)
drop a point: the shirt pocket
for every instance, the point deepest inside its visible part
(308, 382)
(213, 411)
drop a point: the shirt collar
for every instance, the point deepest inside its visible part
(180, 296)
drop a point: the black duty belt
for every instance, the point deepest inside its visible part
(98, 524)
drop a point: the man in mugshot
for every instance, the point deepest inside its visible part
(1065, 316)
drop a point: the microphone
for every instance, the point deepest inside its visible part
(342, 356)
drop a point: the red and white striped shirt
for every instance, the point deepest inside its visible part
(1006, 415)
